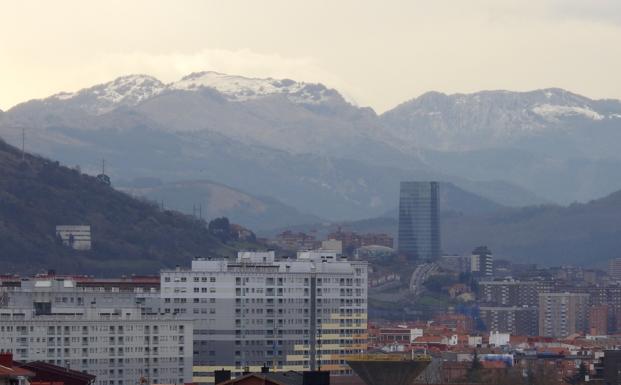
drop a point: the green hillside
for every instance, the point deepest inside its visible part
(128, 235)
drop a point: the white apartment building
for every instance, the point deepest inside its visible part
(75, 236)
(292, 314)
(101, 331)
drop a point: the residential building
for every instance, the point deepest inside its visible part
(292, 314)
(515, 320)
(512, 293)
(113, 332)
(119, 346)
(351, 240)
(598, 319)
(614, 269)
(482, 262)
(48, 374)
(77, 237)
(419, 220)
(612, 367)
(499, 339)
(563, 314)
(332, 245)
(455, 263)
(289, 240)
(11, 374)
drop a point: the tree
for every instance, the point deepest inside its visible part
(220, 228)
(474, 374)
(579, 376)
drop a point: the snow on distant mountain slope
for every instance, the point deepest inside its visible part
(239, 88)
(133, 89)
(124, 91)
(490, 118)
(554, 112)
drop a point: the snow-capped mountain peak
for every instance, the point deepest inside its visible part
(240, 88)
(125, 90)
(133, 89)
(490, 119)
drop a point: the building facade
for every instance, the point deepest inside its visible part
(512, 293)
(598, 320)
(482, 262)
(297, 314)
(515, 320)
(614, 269)
(419, 220)
(109, 328)
(77, 237)
(563, 314)
(107, 333)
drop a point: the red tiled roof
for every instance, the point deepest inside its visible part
(493, 364)
(10, 372)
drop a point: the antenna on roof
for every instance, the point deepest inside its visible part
(103, 166)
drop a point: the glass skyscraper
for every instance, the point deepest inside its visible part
(419, 220)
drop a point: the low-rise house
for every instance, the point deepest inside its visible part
(11, 374)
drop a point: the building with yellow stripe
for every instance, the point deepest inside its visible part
(299, 314)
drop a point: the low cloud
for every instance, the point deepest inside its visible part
(608, 11)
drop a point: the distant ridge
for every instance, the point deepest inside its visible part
(306, 146)
(587, 234)
(128, 235)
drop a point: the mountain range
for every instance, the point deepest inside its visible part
(306, 148)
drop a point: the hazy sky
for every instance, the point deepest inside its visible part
(378, 53)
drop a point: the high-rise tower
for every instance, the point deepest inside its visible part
(419, 220)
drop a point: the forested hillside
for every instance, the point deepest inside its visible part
(129, 235)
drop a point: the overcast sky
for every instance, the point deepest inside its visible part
(377, 53)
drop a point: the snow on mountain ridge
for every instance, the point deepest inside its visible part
(487, 119)
(126, 90)
(133, 89)
(552, 112)
(239, 88)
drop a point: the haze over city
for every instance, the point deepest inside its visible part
(310, 192)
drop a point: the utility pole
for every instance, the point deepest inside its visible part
(23, 142)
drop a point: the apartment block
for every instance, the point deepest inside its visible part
(614, 268)
(104, 330)
(563, 314)
(77, 237)
(513, 292)
(598, 320)
(294, 314)
(482, 262)
(515, 320)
